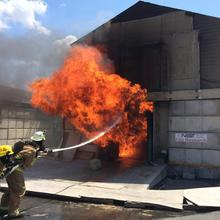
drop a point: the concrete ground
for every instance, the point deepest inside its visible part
(123, 181)
(47, 209)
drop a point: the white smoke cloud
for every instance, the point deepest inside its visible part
(27, 58)
(66, 41)
(22, 12)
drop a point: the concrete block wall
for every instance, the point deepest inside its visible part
(19, 122)
(73, 137)
(196, 117)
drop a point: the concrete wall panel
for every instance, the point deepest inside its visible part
(197, 116)
(211, 124)
(177, 155)
(11, 134)
(3, 134)
(4, 123)
(141, 31)
(19, 133)
(210, 107)
(176, 124)
(20, 123)
(193, 156)
(176, 22)
(11, 123)
(193, 124)
(176, 108)
(211, 157)
(183, 56)
(193, 108)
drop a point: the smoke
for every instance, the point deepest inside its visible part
(28, 57)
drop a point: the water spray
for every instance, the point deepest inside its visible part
(88, 141)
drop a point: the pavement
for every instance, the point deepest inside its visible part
(46, 209)
(123, 182)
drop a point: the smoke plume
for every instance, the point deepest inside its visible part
(28, 57)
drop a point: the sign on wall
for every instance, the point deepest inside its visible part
(191, 137)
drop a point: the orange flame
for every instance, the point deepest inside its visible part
(86, 92)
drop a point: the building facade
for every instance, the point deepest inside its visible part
(19, 121)
(175, 55)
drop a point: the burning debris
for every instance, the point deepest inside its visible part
(87, 92)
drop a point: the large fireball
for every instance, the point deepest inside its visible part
(87, 92)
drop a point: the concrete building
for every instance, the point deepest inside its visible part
(18, 120)
(175, 54)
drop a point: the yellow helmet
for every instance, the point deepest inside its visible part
(5, 150)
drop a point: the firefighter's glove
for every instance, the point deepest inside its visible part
(47, 150)
(44, 153)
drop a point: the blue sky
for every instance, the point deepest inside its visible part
(79, 17)
(35, 35)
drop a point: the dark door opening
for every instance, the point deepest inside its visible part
(150, 144)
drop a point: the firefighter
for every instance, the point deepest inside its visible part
(25, 152)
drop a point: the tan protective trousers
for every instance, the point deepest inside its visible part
(16, 190)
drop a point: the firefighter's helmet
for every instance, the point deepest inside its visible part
(39, 136)
(5, 150)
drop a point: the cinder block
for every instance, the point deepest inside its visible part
(176, 124)
(19, 133)
(12, 123)
(3, 133)
(177, 108)
(211, 107)
(32, 131)
(26, 134)
(38, 124)
(27, 114)
(3, 142)
(4, 123)
(11, 133)
(20, 113)
(27, 124)
(11, 113)
(11, 142)
(4, 113)
(211, 123)
(213, 141)
(211, 157)
(177, 156)
(193, 124)
(193, 108)
(193, 156)
(19, 124)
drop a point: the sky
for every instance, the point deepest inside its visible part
(35, 34)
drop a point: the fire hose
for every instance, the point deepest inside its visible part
(13, 165)
(88, 141)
